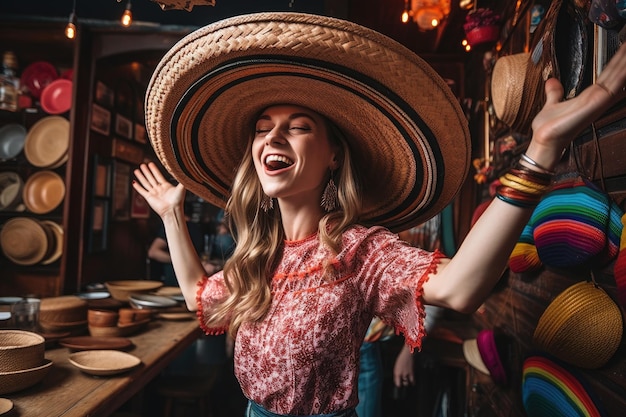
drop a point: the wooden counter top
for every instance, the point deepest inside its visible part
(66, 391)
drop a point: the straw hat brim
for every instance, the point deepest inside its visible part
(472, 355)
(24, 241)
(47, 142)
(43, 191)
(507, 83)
(56, 243)
(404, 126)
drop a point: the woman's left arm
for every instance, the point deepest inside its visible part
(465, 281)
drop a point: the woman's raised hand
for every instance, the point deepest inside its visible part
(559, 122)
(160, 194)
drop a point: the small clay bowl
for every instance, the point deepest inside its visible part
(133, 315)
(102, 318)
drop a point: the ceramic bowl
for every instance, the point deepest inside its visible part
(102, 318)
(133, 315)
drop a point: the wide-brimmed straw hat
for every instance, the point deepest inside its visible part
(405, 128)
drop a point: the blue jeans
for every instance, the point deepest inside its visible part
(255, 410)
(370, 381)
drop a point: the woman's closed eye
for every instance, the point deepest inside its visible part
(300, 128)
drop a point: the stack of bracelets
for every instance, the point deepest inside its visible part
(522, 186)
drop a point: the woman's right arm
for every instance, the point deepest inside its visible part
(167, 201)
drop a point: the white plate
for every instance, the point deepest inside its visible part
(151, 301)
(94, 295)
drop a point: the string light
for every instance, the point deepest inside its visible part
(70, 28)
(405, 13)
(127, 16)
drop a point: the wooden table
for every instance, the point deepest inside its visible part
(66, 391)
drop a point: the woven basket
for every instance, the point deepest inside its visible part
(63, 309)
(19, 380)
(20, 350)
(582, 326)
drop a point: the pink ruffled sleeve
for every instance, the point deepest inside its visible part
(392, 279)
(211, 290)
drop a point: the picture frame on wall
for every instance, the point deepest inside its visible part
(140, 133)
(101, 177)
(105, 95)
(100, 119)
(121, 190)
(123, 126)
(99, 230)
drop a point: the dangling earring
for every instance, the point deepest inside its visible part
(267, 203)
(329, 197)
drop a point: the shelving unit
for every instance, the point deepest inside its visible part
(34, 43)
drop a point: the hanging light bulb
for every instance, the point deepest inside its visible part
(127, 16)
(70, 28)
(405, 13)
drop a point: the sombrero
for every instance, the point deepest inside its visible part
(487, 353)
(404, 126)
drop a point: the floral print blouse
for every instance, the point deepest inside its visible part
(303, 357)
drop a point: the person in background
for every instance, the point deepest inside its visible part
(209, 354)
(314, 262)
(372, 370)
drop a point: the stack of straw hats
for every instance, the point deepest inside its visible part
(22, 360)
(47, 142)
(28, 241)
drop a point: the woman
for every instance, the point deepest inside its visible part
(334, 131)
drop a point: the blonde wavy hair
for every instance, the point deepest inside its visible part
(260, 236)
